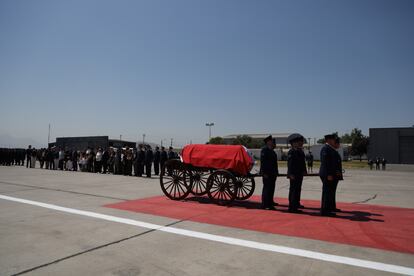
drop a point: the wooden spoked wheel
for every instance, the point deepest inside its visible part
(174, 180)
(221, 187)
(245, 187)
(198, 182)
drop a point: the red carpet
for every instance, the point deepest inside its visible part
(375, 226)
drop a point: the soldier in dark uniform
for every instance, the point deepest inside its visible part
(149, 158)
(163, 158)
(338, 175)
(51, 159)
(295, 173)
(171, 154)
(3, 156)
(157, 157)
(22, 154)
(327, 173)
(269, 171)
(140, 160)
(29, 156)
(14, 156)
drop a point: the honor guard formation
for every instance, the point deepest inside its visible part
(330, 172)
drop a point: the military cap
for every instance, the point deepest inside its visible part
(330, 136)
(268, 138)
(295, 137)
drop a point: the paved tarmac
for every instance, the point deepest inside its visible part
(38, 240)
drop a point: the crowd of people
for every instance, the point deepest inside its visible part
(121, 161)
(380, 163)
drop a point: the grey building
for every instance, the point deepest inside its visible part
(82, 143)
(396, 145)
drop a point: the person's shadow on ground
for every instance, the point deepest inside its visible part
(361, 216)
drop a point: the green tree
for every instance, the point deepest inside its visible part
(244, 140)
(216, 140)
(359, 143)
(346, 139)
(248, 142)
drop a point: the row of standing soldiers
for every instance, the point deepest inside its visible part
(330, 173)
(140, 161)
(13, 156)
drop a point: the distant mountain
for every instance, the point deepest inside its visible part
(8, 141)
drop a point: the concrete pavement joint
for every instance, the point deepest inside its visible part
(366, 200)
(90, 250)
(60, 190)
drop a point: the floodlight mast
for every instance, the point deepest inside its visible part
(209, 125)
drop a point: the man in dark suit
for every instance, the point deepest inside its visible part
(149, 158)
(328, 174)
(295, 173)
(29, 157)
(269, 171)
(105, 160)
(157, 157)
(75, 157)
(377, 163)
(118, 161)
(163, 158)
(140, 160)
(135, 161)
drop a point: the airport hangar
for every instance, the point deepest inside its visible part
(396, 145)
(85, 142)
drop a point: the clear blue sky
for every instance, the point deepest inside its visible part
(165, 68)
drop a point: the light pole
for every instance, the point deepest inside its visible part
(48, 137)
(143, 139)
(209, 125)
(172, 141)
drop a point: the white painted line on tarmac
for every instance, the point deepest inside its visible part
(227, 240)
